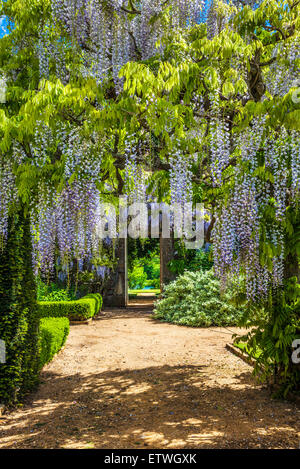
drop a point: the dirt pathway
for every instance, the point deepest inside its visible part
(127, 381)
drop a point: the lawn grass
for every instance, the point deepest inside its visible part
(153, 291)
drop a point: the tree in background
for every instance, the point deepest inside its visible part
(143, 263)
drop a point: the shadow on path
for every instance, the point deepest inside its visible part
(174, 391)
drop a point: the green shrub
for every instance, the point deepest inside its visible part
(19, 321)
(137, 277)
(53, 292)
(248, 350)
(194, 299)
(145, 272)
(53, 335)
(190, 259)
(79, 310)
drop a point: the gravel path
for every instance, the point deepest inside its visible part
(127, 381)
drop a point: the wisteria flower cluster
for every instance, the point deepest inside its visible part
(239, 233)
(110, 33)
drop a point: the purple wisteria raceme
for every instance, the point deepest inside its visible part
(243, 238)
(180, 179)
(7, 194)
(108, 36)
(295, 166)
(219, 140)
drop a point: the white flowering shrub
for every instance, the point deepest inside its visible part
(194, 299)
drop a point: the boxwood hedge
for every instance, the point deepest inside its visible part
(53, 335)
(79, 310)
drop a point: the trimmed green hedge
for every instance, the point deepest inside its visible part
(79, 310)
(19, 319)
(53, 335)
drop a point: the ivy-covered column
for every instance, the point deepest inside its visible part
(31, 360)
(19, 321)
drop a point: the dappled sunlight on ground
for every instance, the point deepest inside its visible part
(127, 381)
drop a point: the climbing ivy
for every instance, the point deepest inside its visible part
(19, 320)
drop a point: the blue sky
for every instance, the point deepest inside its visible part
(3, 24)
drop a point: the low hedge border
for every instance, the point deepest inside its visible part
(53, 335)
(79, 310)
